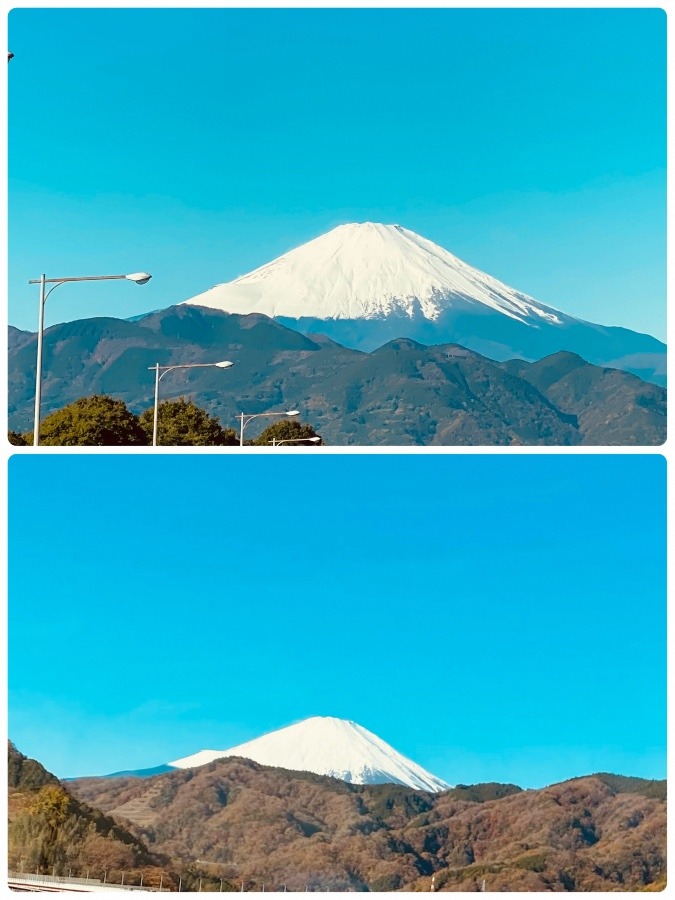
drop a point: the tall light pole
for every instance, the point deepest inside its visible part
(138, 277)
(312, 440)
(245, 419)
(164, 369)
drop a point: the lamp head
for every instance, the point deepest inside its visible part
(139, 277)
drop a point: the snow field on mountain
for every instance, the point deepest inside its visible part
(366, 271)
(327, 746)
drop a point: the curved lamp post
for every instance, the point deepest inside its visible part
(245, 419)
(137, 277)
(164, 369)
(312, 440)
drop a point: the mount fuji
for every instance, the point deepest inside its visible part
(366, 284)
(326, 746)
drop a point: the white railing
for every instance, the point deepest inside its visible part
(63, 881)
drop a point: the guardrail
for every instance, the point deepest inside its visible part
(56, 881)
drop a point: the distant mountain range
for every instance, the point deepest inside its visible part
(401, 394)
(366, 284)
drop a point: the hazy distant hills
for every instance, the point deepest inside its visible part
(603, 832)
(364, 284)
(403, 393)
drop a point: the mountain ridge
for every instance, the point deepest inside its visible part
(233, 823)
(326, 745)
(403, 393)
(301, 829)
(364, 284)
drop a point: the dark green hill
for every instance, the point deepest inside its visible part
(621, 784)
(402, 394)
(17, 338)
(481, 793)
(25, 774)
(611, 406)
(502, 337)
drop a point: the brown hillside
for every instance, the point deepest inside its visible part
(52, 832)
(256, 824)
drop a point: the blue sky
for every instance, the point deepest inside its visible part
(199, 144)
(496, 618)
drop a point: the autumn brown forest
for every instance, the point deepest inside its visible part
(242, 822)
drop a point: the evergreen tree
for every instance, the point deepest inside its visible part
(284, 430)
(181, 423)
(17, 440)
(96, 421)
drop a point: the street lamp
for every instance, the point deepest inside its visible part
(138, 277)
(245, 419)
(275, 443)
(164, 369)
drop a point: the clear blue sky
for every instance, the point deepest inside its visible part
(492, 617)
(200, 144)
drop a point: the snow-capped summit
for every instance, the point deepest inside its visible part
(327, 746)
(369, 271)
(366, 284)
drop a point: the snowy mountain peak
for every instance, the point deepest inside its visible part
(327, 746)
(370, 270)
